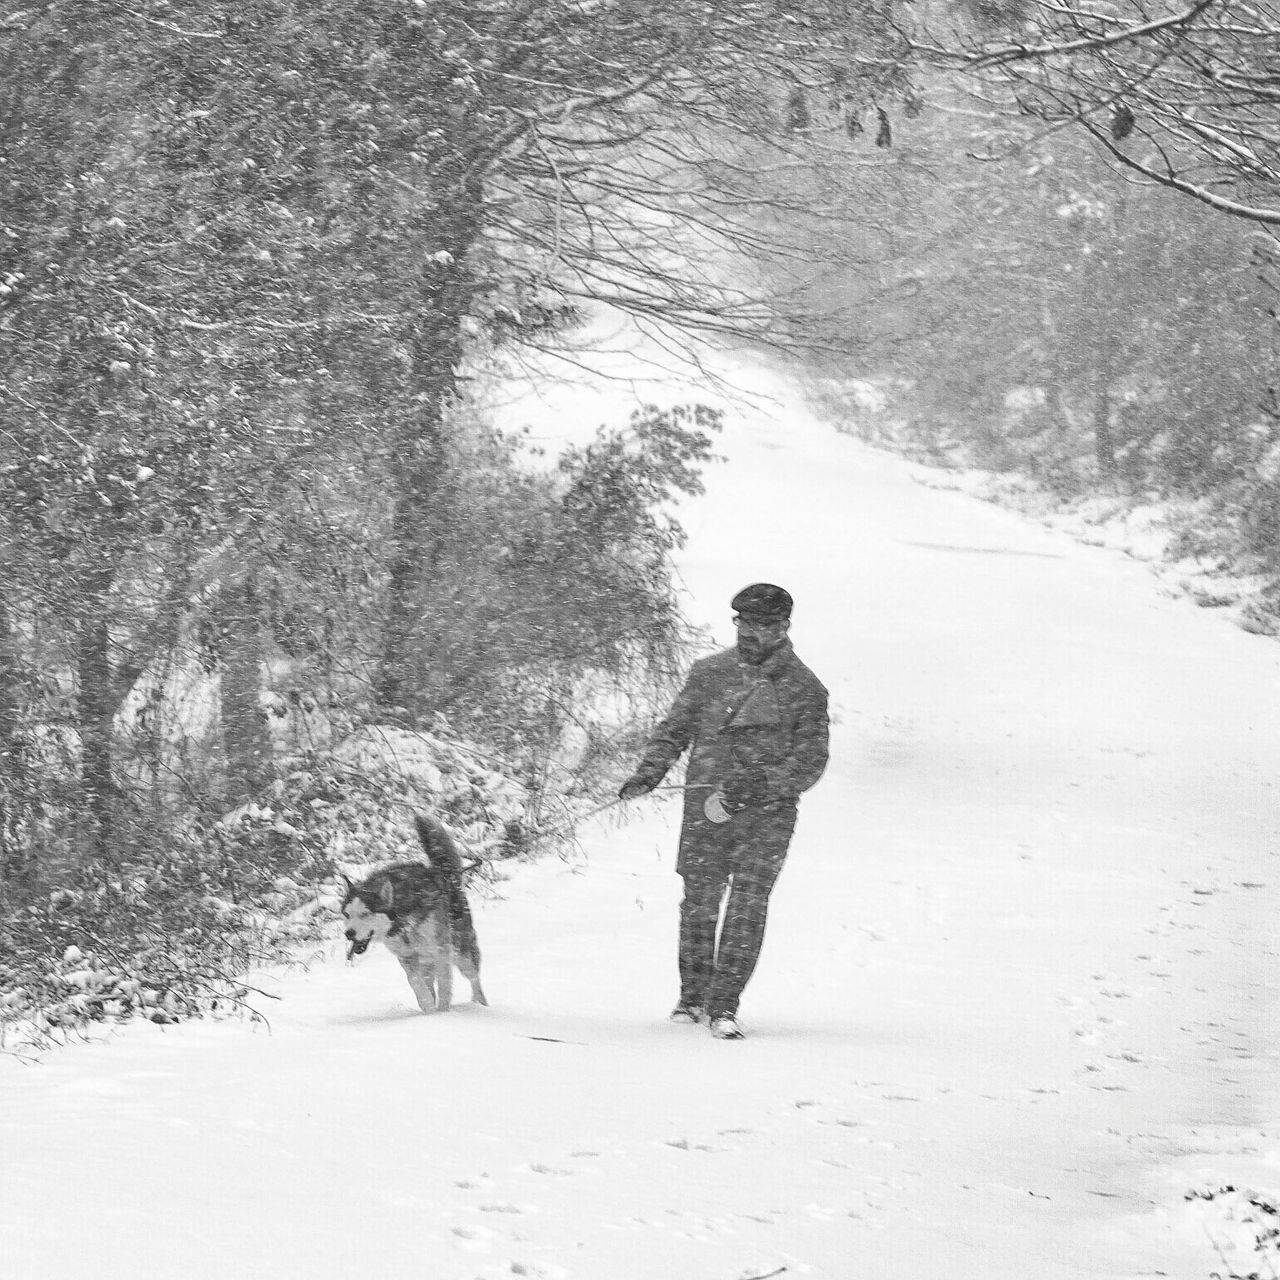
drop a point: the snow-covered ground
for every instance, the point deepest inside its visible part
(1220, 575)
(1015, 1015)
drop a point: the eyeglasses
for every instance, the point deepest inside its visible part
(757, 625)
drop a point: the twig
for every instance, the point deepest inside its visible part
(1004, 54)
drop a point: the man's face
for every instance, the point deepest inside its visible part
(757, 637)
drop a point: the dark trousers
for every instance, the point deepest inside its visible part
(735, 867)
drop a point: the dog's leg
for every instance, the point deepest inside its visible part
(470, 969)
(422, 980)
(444, 978)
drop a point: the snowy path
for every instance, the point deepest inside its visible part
(1016, 999)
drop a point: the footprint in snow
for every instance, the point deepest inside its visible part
(683, 1144)
(473, 1239)
(528, 1270)
(544, 1272)
(1092, 1032)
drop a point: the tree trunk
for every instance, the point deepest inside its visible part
(1104, 444)
(1107, 350)
(13, 763)
(418, 524)
(245, 737)
(95, 714)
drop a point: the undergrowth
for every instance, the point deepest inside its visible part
(177, 930)
(1255, 1221)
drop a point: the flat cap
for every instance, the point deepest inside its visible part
(762, 600)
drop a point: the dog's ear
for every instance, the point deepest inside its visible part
(387, 895)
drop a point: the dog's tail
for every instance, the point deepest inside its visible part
(439, 847)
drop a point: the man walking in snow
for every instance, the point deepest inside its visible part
(755, 720)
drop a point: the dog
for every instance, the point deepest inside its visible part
(421, 913)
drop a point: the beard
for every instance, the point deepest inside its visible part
(752, 650)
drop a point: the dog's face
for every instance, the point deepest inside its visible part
(366, 920)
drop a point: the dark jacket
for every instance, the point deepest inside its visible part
(730, 714)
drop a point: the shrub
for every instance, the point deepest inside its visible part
(173, 932)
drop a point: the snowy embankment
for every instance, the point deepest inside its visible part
(1155, 531)
(1014, 1018)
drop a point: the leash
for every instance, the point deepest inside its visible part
(565, 827)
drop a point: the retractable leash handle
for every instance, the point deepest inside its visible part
(712, 807)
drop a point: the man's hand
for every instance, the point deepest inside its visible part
(634, 786)
(745, 787)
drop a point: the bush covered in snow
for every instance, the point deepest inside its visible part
(1244, 1227)
(173, 933)
(1216, 542)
